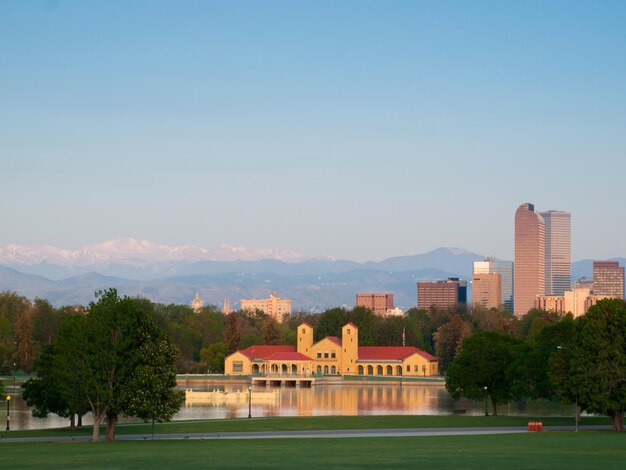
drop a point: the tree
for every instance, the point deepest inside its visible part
(43, 394)
(484, 368)
(232, 333)
(106, 356)
(272, 334)
(593, 366)
(213, 357)
(448, 339)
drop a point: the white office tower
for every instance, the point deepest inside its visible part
(558, 239)
(505, 270)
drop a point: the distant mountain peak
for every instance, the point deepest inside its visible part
(133, 251)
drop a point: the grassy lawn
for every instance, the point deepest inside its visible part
(583, 450)
(319, 422)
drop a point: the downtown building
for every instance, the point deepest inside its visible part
(558, 252)
(608, 279)
(273, 306)
(379, 303)
(492, 266)
(542, 259)
(530, 258)
(441, 294)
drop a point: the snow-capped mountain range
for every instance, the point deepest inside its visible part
(133, 252)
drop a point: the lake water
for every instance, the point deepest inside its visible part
(346, 400)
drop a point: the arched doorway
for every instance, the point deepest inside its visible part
(294, 369)
(325, 370)
(333, 370)
(389, 370)
(274, 369)
(379, 370)
(319, 369)
(398, 370)
(255, 368)
(360, 370)
(284, 369)
(370, 370)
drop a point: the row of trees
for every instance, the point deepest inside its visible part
(580, 360)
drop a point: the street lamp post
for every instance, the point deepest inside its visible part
(249, 401)
(576, 402)
(486, 412)
(14, 370)
(8, 417)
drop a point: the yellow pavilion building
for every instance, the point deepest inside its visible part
(332, 356)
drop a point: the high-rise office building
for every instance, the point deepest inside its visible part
(441, 294)
(486, 290)
(608, 279)
(530, 259)
(505, 270)
(379, 303)
(558, 251)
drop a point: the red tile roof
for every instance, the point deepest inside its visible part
(260, 351)
(334, 339)
(390, 353)
(288, 356)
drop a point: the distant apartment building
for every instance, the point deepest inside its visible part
(576, 299)
(530, 258)
(441, 294)
(558, 252)
(486, 290)
(608, 279)
(273, 306)
(505, 270)
(379, 303)
(550, 303)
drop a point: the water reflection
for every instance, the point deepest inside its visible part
(346, 400)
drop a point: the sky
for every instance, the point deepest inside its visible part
(354, 129)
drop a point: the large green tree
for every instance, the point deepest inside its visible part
(592, 368)
(485, 368)
(110, 356)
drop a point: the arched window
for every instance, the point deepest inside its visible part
(274, 368)
(389, 370)
(360, 370)
(255, 368)
(294, 369)
(284, 369)
(398, 370)
(333, 370)
(319, 369)
(325, 370)
(379, 370)
(370, 370)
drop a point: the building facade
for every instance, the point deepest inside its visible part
(558, 252)
(551, 303)
(379, 303)
(530, 258)
(331, 356)
(575, 300)
(441, 294)
(486, 290)
(608, 279)
(274, 306)
(505, 270)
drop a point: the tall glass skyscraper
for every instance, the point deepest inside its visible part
(558, 251)
(530, 258)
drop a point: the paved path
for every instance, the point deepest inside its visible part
(307, 434)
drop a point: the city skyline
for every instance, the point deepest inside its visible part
(290, 126)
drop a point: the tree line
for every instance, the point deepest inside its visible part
(580, 361)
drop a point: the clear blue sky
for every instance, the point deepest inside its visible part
(355, 129)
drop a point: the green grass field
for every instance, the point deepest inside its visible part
(318, 422)
(549, 450)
